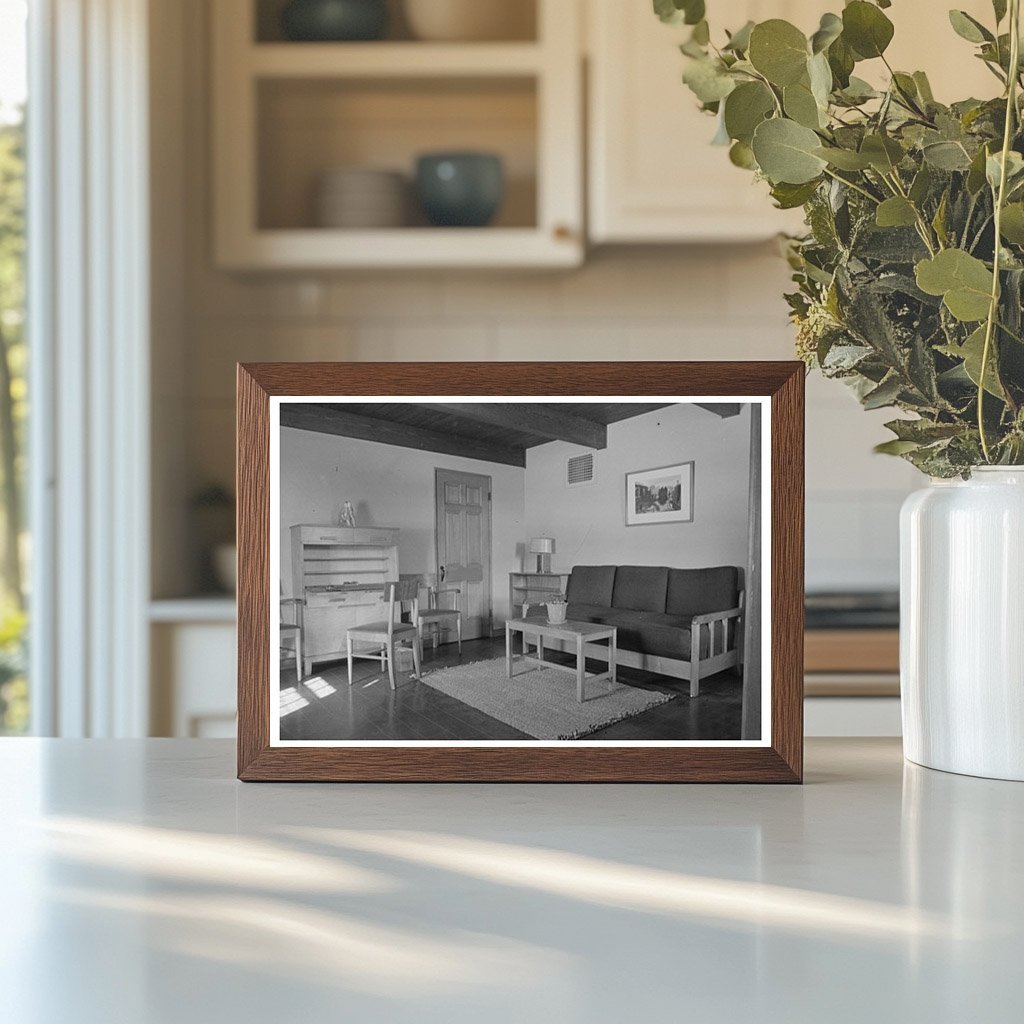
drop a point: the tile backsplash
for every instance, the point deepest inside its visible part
(714, 303)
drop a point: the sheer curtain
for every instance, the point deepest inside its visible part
(88, 299)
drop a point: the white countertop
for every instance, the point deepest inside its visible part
(143, 885)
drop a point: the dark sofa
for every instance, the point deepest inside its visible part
(681, 622)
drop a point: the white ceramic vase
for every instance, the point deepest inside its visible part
(962, 624)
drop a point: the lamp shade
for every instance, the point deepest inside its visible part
(542, 546)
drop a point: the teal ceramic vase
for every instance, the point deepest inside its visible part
(332, 21)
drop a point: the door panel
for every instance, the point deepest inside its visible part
(464, 545)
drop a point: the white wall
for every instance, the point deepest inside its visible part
(391, 487)
(588, 523)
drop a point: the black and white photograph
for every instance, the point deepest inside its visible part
(454, 573)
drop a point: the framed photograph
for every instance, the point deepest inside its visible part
(663, 495)
(436, 582)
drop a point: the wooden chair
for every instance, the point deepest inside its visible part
(292, 630)
(384, 637)
(436, 617)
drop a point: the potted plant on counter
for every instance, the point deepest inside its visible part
(908, 289)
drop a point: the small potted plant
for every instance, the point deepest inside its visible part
(214, 510)
(556, 609)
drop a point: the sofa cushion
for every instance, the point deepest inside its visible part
(695, 591)
(587, 612)
(591, 584)
(640, 588)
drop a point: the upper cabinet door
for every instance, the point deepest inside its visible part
(654, 175)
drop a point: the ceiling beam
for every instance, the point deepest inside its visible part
(540, 421)
(723, 409)
(323, 419)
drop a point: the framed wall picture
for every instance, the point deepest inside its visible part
(663, 495)
(394, 623)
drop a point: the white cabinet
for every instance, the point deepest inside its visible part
(286, 113)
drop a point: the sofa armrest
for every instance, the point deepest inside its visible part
(702, 620)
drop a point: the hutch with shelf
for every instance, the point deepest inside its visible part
(340, 573)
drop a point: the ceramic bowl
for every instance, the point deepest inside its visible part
(469, 20)
(334, 20)
(460, 189)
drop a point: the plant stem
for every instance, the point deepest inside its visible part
(856, 188)
(1000, 199)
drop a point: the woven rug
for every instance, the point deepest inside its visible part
(542, 702)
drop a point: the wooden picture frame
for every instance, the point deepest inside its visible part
(683, 473)
(776, 388)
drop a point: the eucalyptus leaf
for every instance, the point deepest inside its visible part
(924, 87)
(994, 169)
(895, 447)
(739, 41)
(896, 212)
(1012, 225)
(969, 28)
(779, 51)
(972, 353)
(789, 197)
(786, 152)
(883, 153)
(708, 80)
(976, 178)
(745, 108)
(947, 156)
(800, 105)
(676, 12)
(844, 159)
(819, 74)
(866, 30)
(829, 30)
(963, 281)
(842, 61)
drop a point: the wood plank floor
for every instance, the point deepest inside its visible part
(324, 707)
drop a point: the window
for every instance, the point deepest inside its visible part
(14, 548)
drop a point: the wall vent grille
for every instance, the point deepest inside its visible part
(580, 470)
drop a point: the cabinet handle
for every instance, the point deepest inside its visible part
(563, 233)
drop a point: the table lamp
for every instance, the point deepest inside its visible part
(543, 548)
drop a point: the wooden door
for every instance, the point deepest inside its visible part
(464, 545)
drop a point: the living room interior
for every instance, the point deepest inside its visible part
(555, 501)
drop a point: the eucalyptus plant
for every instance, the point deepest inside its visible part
(910, 278)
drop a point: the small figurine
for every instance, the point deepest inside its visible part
(348, 515)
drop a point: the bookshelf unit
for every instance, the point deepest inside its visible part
(530, 588)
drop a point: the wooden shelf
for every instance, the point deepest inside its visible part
(393, 60)
(310, 248)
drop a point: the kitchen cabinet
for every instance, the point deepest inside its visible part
(653, 175)
(286, 114)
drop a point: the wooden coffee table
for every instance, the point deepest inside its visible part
(578, 634)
